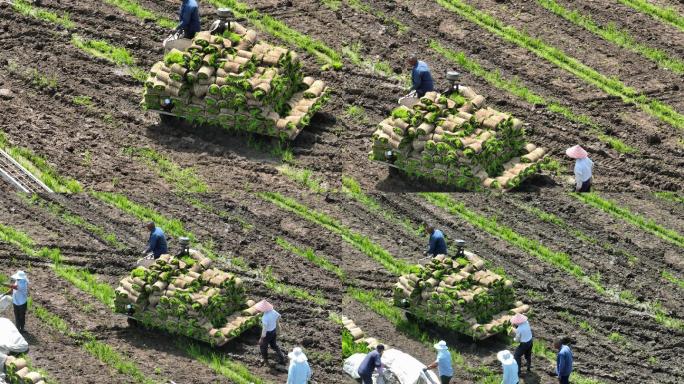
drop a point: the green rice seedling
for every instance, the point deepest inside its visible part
(103, 49)
(234, 371)
(361, 6)
(310, 255)
(184, 180)
(670, 196)
(665, 14)
(272, 283)
(134, 8)
(332, 4)
(114, 359)
(619, 37)
(673, 279)
(610, 85)
(304, 177)
(82, 100)
(27, 9)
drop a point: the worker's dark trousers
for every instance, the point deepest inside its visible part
(270, 339)
(445, 379)
(526, 350)
(586, 186)
(564, 379)
(366, 378)
(20, 316)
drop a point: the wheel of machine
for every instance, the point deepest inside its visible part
(395, 172)
(168, 119)
(410, 316)
(132, 322)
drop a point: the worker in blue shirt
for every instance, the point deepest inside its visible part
(370, 363)
(157, 242)
(189, 19)
(437, 242)
(563, 361)
(420, 76)
(19, 292)
(443, 363)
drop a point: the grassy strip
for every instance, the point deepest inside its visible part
(235, 372)
(134, 8)
(353, 53)
(360, 6)
(611, 86)
(304, 177)
(668, 15)
(673, 279)
(40, 168)
(117, 55)
(625, 214)
(97, 349)
(619, 37)
(514, 87)
(27, 9)
(276, 28)
(362, 243)
(310, 255)
(352, 188)
(272, 283)
(555, 220)
(670, 196)
(75, 220)
(183, 179)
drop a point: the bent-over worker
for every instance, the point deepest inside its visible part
(584, 168)
(523, 335)
(443, 362)
(509, 366)
(269, 330)
(156, 244)
(189, 19)
(370, 363)
(19, 291)
(563, 361)
(299, 371)
(437, 244)
(421, 77)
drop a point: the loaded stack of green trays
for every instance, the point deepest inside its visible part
(17, 371)
(460, 294)
(186, 296)
(457, 141)
(237, 82)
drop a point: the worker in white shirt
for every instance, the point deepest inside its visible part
(269, 323)
(523, 335)
(584, 168)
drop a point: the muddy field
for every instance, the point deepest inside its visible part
(614, 341)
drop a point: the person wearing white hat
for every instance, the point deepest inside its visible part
(523, 335)
(510, 367)
(19, 292)
(584, 168)
(443, 362)
(299, 371)
(269, 326)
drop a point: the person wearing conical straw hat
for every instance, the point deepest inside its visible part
(443, 362)
(509, 366)
(523, 335)
(269, 323)
(19, 292)
(584, 168)
(299, 371)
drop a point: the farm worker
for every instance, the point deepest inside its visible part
(189, 19)
(299, 371)
(370, 363)
(563, 361)
(443, 362)
(437, 244)
(19, 291)
(523, 335)
(583, 168)
(157, 241)
(510, 367)
(420, 76)
(269, 326)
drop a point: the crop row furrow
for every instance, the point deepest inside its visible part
(667, 15)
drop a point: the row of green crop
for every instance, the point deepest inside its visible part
(559, 260)
(625, 214)
(619, 37)
(668, 15)
(134, 8)
(670, 196)
(184, 180)
(25, 8)
(610, 85)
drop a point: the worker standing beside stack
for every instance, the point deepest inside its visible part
(19, 292)
(523, 335)
(443, 363)
(437, 244)
(189, 19)
(421, 77)
(156, 244)
(269, 331)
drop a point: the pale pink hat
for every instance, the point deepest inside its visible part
(263, 306)
(518, 319)
(576, 152)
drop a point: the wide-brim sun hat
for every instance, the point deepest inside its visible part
(505, 357)
(576, 152)
(263, 306)
(20, 275)
(518, 319)
(297, 355)
(442, 345)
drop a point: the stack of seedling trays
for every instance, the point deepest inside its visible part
(456, 141)
(18, 372)
(186, 296)
(459, 294)
(237, 82)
